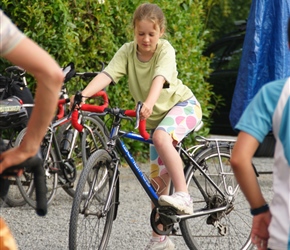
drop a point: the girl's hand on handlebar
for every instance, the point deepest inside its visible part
(72, 102)
(145, 111)
(72, 98)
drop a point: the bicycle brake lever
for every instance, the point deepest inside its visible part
(138, 109)
(77, 99)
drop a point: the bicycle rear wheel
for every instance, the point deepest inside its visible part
(13, 198)
(229, 229)
(90, 226)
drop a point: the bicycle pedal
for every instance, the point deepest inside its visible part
(53, 170)
(166, 210)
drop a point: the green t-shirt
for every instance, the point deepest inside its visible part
(141, 74)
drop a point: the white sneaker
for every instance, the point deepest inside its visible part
(166, 244)
(179, 200)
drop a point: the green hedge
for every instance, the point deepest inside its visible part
(86, 32)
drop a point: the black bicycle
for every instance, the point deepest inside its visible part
(65, 150)
(14, 91)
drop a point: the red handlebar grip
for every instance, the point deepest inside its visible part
(142, 130)
(131, 113)
(84, 107)
(60, 112)
(92, 108)
(104, 95)
(74, 121)
(63, 101)
(142, 124)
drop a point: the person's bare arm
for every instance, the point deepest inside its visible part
(99, 82)
(241, 161)
(49, 78)
(154, 93)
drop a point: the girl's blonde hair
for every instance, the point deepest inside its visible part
(152, 12)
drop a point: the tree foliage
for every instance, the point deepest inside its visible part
(221, 16)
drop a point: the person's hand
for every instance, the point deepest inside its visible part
(72, 98)
(14, 156)
(260, 233)
(145, 111)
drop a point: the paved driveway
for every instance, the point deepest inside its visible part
(131, 230)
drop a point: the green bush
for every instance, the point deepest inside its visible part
(222, 14)
(86, 33)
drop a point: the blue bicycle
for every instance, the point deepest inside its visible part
(221, 219)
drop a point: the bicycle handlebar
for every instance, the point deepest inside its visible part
(87, 74)
(103, 109)
(94, 108)
(17, 69)
(60, 105)
(34, 165)
(70, 72)
(141, 125)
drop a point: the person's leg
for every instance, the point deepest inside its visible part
(171, 159)
(180, 200)
(158, 176)
(160, 180)
(179, 121)
(182, 119)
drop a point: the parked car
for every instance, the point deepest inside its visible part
(226, 54)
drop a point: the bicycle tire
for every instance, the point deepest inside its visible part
(88, 140)
(26, 187)
(13, 198)
(224, 230)
(102, 128)
(92, 230)
(87, 145)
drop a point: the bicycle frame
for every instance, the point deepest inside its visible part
(115, 142)
(52, 142)
(208, 174)
(142, 178)
(147, 186)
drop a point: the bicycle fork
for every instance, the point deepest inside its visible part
(114, 186)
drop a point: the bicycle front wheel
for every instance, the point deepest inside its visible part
(90, 222)
(90, 140)
(229, 229)
(25, 182)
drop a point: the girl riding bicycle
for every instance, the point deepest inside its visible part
(169, 107)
